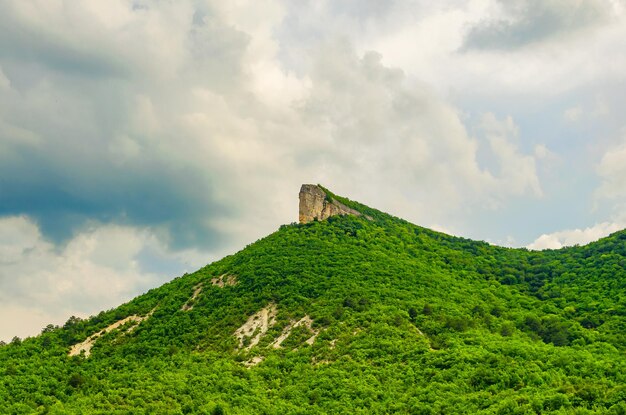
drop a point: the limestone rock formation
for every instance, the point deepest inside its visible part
(314, 204)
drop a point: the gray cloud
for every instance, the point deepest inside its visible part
(184, 135)
(526, 22)
(81, 142)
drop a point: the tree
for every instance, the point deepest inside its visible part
(218, 410)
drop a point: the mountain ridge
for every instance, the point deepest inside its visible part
(348, 315)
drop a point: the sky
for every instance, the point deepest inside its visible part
(140, 140)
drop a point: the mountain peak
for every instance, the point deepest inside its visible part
(318, 204)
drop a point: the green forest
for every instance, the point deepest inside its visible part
(351, 315)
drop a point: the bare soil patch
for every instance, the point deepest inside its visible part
(189, 304)
(256, 326)
(86, 345)
(224, 280)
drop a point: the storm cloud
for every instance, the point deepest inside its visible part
(527, 22)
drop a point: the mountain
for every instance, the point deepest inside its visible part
(352, 311)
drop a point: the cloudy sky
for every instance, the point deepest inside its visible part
(143, 139)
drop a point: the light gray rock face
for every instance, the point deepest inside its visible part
(315, 205)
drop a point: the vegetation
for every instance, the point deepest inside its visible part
(409, 321)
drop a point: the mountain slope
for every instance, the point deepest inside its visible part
(367, 314)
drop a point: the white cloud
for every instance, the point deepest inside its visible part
(612, 170)
(573, 114)
(41, 283)
(572, 237)
(570, 46)
(518, 172)
(269, 81)
(598, 109)
(542, 152)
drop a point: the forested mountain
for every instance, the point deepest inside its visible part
(352, 314)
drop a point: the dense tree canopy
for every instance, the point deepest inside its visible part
(404, 320)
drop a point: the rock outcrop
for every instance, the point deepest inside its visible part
(315, 204)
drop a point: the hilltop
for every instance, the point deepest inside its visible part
(351, 311)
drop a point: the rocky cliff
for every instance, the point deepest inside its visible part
(315, 204)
